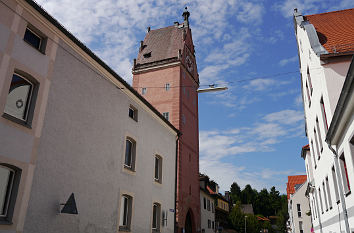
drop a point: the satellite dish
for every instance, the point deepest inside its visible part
(69, 206)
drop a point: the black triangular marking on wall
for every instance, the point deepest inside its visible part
(70, 206)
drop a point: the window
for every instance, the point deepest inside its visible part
(204, 200)
(208, 205)
(298, 210)
(319, 135)
(158, 169)
(33, 38)
(209, 223)
(319, 194)
(190, 190)
(212, 225)
(125, 213)
(345, 178)
(20, 100)
(301, 227)
(328, 193)
(335, 184)
(308, 94)
(313, 153)
(167, 86)
(316, 142)
(129, 161)
(166, 115)
(324, 195)
(156, 217)
(324, 116)
(309, 79)
(9, 182)
(143, 90)
(133, 113)
(212, 207)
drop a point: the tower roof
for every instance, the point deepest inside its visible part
(161, 44)
(335, 30)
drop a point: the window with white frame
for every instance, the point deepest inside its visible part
(301, 227)
(125, 213)
(344, 172)
(158, 169)
(313, 153)
(143, 90)
(20, 100)
(166, 115)
(308, 94)
(156, 212)
(167, 86)
(319, 135)
(324, 195)
(316, 142)
(9, 184)
(309, 79)
(130, 151)
(320, 197)
(328, 193)
(335, 184)
(298, 210)
(324, 116)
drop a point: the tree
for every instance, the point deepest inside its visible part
(248, 195)
(235, 191)
(262, 203)
(283, 214)
(275, 200)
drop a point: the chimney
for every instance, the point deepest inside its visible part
(141, 45)
(186, 15)
(176, 24)
(134, 63)
(149, 29)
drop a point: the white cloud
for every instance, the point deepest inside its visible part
(250, 12)
(287, 117)
(298, 100)
(260, 84)
(285, 61)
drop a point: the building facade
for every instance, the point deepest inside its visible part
(207, 206)
(165, 73)
(70, 124)
(298, 207)
(325, 47)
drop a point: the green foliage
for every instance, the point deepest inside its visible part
(235, 191)
(283, 214)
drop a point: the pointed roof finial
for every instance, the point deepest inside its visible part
(186, 15)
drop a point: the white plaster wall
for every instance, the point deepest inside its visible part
(326, 81)
(205, 214)
(299, 198)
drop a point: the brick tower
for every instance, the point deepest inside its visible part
(165, 73)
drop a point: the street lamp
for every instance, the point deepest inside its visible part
(212, 88)
(245, 224)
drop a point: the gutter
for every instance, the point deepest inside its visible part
(176, 167)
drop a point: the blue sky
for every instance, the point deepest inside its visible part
(252, 133)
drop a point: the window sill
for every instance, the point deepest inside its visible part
(348, 193)
(16, 120)
(124, 229)
(157, 181)
(37, 49)
(338, 202)
(129, 170)
(3, 221)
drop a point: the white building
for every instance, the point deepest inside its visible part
(207, 206)
(298, 207)
(325, 48)
(70, 124)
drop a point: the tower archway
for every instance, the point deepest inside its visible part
(189, 223)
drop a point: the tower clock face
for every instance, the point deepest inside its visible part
(189, 63)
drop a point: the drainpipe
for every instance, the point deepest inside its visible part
(175, 221)
(341, 194)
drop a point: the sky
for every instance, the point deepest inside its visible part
(253, 132)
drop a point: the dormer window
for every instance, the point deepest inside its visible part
(147, 55)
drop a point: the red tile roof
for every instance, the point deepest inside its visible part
(210, 190)
(292, 181)
(162, 43)
(335, 30)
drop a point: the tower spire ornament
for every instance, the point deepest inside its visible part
(186, 15)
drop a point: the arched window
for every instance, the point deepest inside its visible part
(129, 158)
(125, 213)
(21, 98)
(156, 213)
(9, 182)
